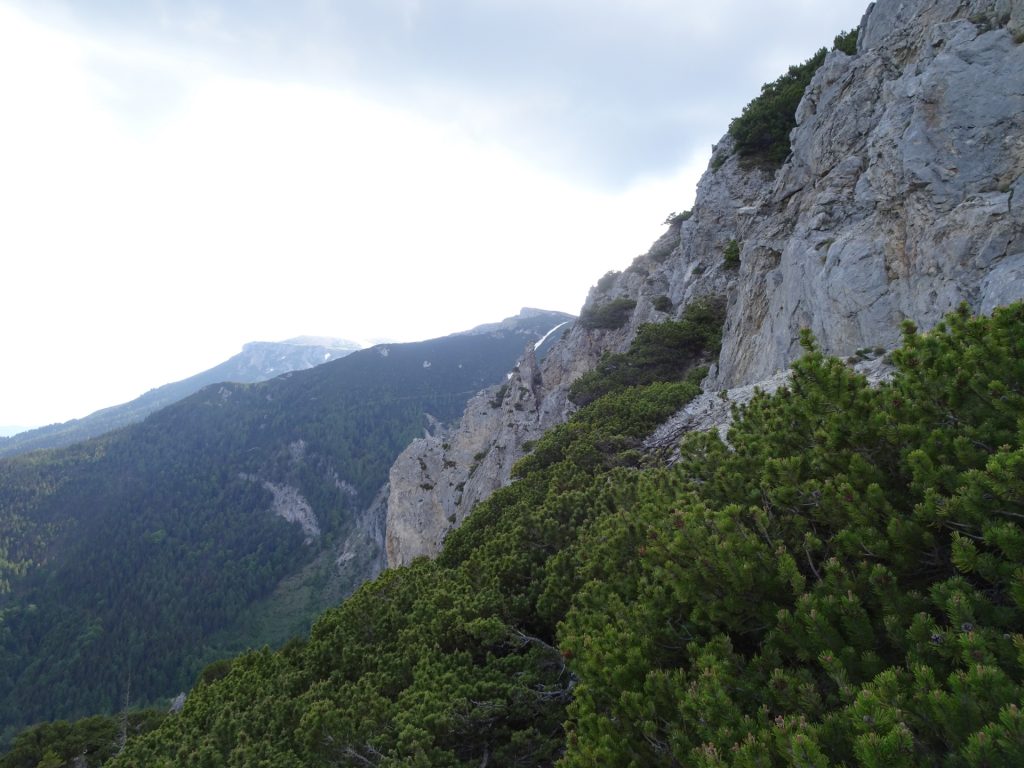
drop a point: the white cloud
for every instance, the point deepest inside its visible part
(174, 185)
(145, 244)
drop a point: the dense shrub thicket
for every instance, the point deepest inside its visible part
(731, 254)
(85, 743)
(841, 586)
(609, 315)
(660, 352)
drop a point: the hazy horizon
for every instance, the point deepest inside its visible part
(303, 340)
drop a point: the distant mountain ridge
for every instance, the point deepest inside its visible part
(258, 361)
(511, 323)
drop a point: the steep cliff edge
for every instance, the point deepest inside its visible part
(901, 198)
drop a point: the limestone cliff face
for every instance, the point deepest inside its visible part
(439, 478)
(903, 195)
(902, 198)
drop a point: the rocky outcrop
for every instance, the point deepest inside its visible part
(289, 503)
(293, 507)
(361, 555)
(901, 199)
(438, 479)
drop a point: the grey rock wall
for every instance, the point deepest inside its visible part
(901, 198)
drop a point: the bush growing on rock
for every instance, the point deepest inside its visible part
(609, 316)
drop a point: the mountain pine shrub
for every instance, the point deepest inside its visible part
(660, 352)
(761, 132)
(609, 316)
(731, 255)
(840, 585)
(662, 303)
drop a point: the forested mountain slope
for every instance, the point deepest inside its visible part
(226, 520)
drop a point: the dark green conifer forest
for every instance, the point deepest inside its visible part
(839, 585)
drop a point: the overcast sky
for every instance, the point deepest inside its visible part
(178, 177)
